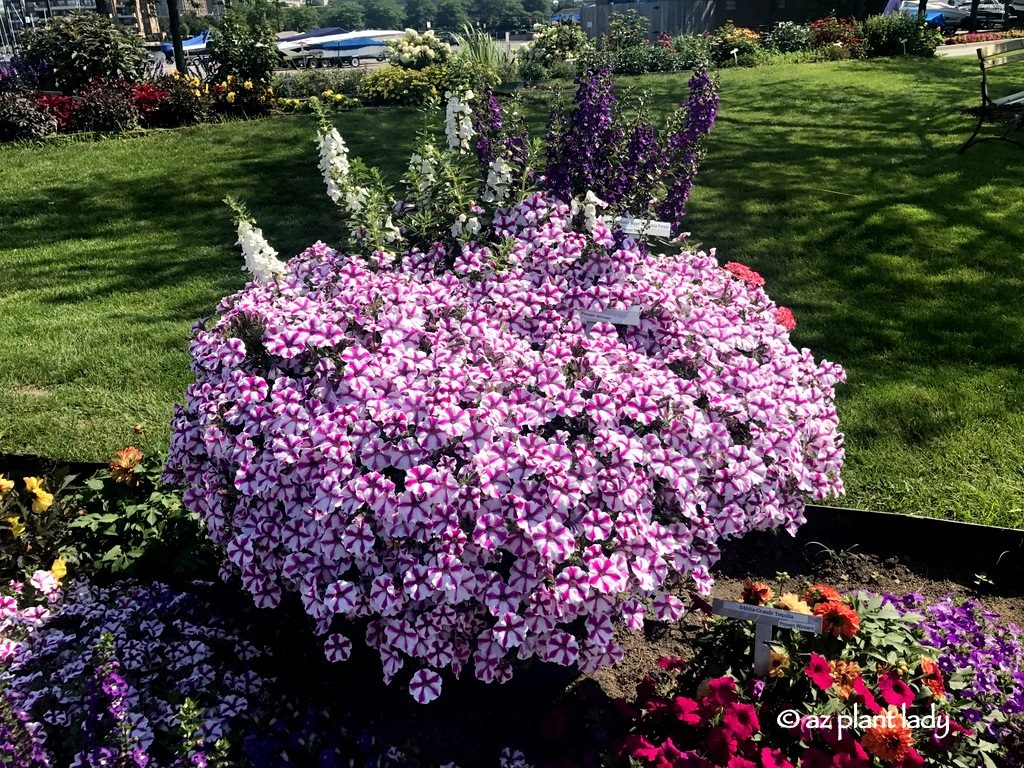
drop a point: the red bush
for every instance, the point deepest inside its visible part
(63, 108)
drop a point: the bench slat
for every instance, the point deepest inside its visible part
(1014, 98)
(1000, 61)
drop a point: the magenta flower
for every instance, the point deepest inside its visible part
(819, 671)
(895, 690)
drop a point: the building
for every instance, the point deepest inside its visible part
(140, 15)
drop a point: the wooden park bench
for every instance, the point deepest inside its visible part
(1008, 110)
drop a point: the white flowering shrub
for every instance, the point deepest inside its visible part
(494, 440)
(418, 50)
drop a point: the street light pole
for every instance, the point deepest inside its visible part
(175, 22)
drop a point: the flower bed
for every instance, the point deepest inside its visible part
(884, 684)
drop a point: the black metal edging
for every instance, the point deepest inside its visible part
(942, 542)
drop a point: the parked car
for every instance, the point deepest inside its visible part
(955, 14)
(1015, 13)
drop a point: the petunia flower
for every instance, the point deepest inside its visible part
(41, 499)
(819, 671)
(895, 690)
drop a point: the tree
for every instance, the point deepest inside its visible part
(300, 18)
(538, 10)
(383, 14)
(419, 12)
(498, 15)
(347, 14)
(452, 14)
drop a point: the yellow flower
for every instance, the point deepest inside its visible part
(16, 526)
(41, 500)
(270, 91)
(231, 97)
(779, 664)
(59, 569)
(791, 602)
(6, 486)
(247, 85)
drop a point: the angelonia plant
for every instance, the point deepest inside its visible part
(496, 426)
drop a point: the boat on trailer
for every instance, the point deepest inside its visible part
(332, 47)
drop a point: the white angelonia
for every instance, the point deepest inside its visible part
(333, 162)
(458, 124)
(424, 169)
(260, 258)
(589, 206)
(355, 199)
(469, 225)
(499, 181)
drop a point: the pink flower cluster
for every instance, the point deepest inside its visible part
(444, 449)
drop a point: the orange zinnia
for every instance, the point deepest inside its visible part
(837, 618)
(755, 592)
(932, 676)
(122, 466)
(820, 593)
(889, 739)
(845, 675)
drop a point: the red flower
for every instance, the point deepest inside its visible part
(838, 619)
(815, 758)
(819, 593)
(773, 758)
(742, 720)
(864, 696)
(721, 692)
(687, 711)
(721, 744)
(741, 762)
(671, 662)
(743, 273)
(895, 691)
(784, 317)
(819, 671)
(755, 592)
(635, 745)
(63, 108)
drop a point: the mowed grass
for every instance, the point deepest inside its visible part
(839, 182)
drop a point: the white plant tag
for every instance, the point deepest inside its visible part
(629, 316)
(632, 226)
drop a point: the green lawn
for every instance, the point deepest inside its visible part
(839, 182)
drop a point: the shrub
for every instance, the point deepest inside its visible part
(729, 38)
(148, 98)
(418, 51)
(313, 82)
(692, 51)
(898, 34)
(531, 70)
(125, 520)
(242, 98)
(427, 437)
(63, 108)
(247, 52)
(396, 85)
(108, 106)
(625, 30)
(557, 42)
(644, 59)
(69, 52)
(187, 101)
(460, 75)
(21, 119)
(839, 33)
(788, 37)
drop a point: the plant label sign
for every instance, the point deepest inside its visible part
(632, 226)
(629, 316)
(765, 620)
